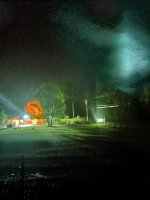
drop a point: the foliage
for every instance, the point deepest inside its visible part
(111, 96)
(73, 84)
(3, 117)
(145, 96)
(52, 100)
(73, 120)
(34, 108)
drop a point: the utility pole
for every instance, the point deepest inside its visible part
(86, 108)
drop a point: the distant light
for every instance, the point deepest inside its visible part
(100, 120)
(26, 116)
(107, 106)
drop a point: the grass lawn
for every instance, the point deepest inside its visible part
(48, 146)
(78, 145)
(77, 157)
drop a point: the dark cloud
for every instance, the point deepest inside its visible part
(47, 41)
(8, 10)
(117, 54)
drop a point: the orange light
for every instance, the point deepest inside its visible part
(34, 108)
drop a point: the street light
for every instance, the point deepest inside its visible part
(86, 108)
(26, 116)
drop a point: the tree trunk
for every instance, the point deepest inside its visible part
(72, 109)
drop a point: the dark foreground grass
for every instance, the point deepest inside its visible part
(89, 160)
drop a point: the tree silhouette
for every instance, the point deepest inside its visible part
(52, 100)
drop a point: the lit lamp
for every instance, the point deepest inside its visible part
(26, 116)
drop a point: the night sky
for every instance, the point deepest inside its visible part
(102, 40)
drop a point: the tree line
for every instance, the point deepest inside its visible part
(54, 101)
